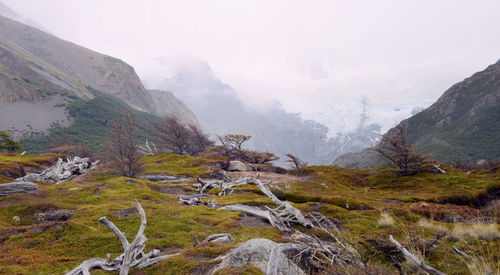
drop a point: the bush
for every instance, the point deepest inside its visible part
(7, 144)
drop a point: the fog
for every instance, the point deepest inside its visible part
(319, 58)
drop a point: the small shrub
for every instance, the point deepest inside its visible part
(7, 144)
(385, 220)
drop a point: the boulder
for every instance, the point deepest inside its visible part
(237, 166)
(17, 187)
(260, 253)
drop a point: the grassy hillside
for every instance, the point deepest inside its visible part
(416, 205)
(91, 124)
(465, 121)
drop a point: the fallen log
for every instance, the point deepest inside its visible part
(425, 267)
(133, 255)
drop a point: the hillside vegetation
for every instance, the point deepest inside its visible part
(369, 204)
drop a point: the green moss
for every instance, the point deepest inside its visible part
(173, 164)
(352, 197)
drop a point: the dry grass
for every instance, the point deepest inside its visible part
(478, 230)
(385, 220)
(428, 224)
(482, 261)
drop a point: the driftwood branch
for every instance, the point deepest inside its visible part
(427, 268)
(133, 255)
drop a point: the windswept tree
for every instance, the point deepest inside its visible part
(295, 162)
(394, 147)
(122, 146)
(178, 138)
(232, 147)
(7, 143)
(233, 142)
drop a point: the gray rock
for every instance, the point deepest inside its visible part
(17, 187)
(257, 252)
(237, 166)
(365, 158)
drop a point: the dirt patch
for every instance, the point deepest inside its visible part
(10, 232)
(265, 176)
(53, 215)
(251, 221)
(125, 212)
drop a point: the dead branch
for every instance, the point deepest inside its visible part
(427, 268)
(133, 255)
(219, 238)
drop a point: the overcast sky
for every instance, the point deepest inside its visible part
(313, 56)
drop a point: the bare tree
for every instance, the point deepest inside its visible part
(178, 138)
(295, 162)
(199, 140)
(395, 148)
(173, 135)
(123, 148)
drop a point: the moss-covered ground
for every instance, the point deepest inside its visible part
(354, 197)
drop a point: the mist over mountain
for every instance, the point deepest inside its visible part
(221, 111)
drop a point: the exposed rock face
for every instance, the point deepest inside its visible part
(464, 122)
(257, 252)
(168, 104)
(23, 77)
(237, 166)
(101, 72)
(16, 188)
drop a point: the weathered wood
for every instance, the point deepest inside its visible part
(218, 238)
(16, 188)
(425, 267)
(62, 171)
(133, 255)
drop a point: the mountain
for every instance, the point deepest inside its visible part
(101, 72)
(464, 123)
(50, 87)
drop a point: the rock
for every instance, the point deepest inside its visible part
(452, 218)
(365, 158)
(53, 215)
(164, 178)
(257, 252)
(17, 187)
(237, 166)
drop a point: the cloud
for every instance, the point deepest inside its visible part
(308, 55)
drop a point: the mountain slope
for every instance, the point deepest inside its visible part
(101, 72)
(32, 92)
(464, 122)
(167, 104)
